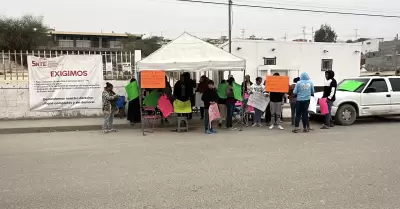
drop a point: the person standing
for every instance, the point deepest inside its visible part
(230, 103)
(109, 99)
(222, 108)
(303, 91)
(276, 101)
(201, 88)
(259, 88)
(246, 84)
(330, 87)
(292, 99)
(183, 90)
(209, 97)
(134, 109)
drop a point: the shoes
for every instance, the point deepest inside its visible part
(260, 125)
(324, 127)
(280, 127)
(208, 132)
(106, 131)
(271, 127)
(254, 125)
(213, 131)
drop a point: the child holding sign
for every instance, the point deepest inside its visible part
(209, 97)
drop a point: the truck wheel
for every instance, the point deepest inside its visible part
(346, 115)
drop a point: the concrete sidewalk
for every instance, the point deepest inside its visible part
(85, 124)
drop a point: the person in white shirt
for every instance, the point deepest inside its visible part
(260, 88)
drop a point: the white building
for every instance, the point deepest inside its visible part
(293, 58)
(371, 45)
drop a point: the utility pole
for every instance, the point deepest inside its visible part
(285, 36)
(356, 34)
(230, 27)
(312, 32)
(304, 33)
(243, 31)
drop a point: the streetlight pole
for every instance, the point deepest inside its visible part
(230, 27)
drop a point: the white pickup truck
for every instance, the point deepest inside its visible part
(375, 96)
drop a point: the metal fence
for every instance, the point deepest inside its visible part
(116, 65)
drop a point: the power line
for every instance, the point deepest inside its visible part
(312, 5)
(291, 9)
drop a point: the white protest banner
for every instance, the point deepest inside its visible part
(258, 100)
(65, 82)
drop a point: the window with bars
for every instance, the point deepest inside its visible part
(269, 61)
(326, 64)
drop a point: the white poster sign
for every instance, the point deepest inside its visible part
(258, 100)
(65, 82)
(126, 67)
(109, 67)
(313, 105)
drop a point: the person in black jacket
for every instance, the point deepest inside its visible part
(329, 93)
(183, 90)
(210, 96)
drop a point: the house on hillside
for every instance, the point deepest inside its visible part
(86, 41)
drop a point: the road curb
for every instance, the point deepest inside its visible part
(71, 128)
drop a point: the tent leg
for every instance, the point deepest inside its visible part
(243, 106)
(141, 112)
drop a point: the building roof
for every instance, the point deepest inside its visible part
(93, 34)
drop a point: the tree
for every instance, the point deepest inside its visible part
(349, 41)
(147, 45)
(23, 33)
(325, 34)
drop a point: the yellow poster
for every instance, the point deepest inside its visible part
(182, 107)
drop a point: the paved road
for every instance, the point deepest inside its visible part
(345, 167)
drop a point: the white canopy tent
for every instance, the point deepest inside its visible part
(188, 53)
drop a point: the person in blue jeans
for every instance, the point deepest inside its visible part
(209, 97)
(330, 87)
(230, 103)
(292, 99)
(303, 91)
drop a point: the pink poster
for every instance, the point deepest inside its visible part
(213, 113)
(165, 106)
(323, 106)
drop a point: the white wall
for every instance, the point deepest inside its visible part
(14, 102)
(371, 45)
(305, 57)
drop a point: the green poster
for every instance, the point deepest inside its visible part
(152, 98)
(350, 85)
(222, 90)
(237, 91)
(132, 90)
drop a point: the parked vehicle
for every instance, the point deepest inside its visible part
(375, 96)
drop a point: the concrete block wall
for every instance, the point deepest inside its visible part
(14, 102)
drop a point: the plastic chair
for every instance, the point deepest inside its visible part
(150, 114)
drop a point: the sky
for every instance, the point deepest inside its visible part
(170, 18)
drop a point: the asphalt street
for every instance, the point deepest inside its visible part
(345, 167)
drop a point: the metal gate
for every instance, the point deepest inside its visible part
(116, 65)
